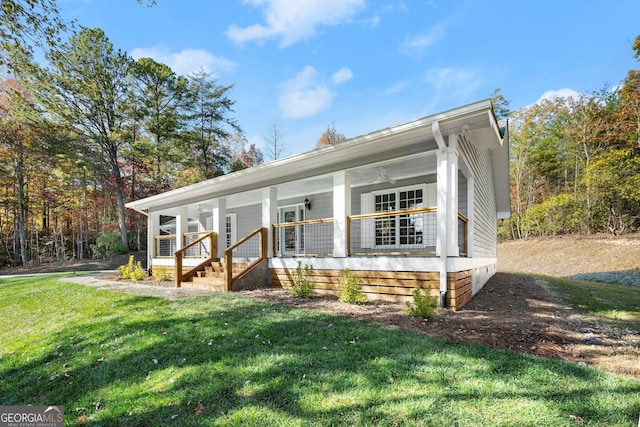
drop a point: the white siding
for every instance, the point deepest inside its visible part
(484, 212)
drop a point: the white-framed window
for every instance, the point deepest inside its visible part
(399, 231)
(231, 229)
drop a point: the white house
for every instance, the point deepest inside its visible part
(412, 205)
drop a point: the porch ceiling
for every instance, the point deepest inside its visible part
(397, 170)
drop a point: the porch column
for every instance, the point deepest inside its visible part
(269, 215)
(182, 226)
(452, 197)
(153, 230)
(219, 224)
(441, 201)
(341, 210)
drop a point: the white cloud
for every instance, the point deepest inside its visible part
(305, 94)
(187, 60)
(342, 75)
(418, 43)
(458, 84)
(392, 90)
(292, 21)
(561, 93)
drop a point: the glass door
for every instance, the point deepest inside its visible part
(292, 238)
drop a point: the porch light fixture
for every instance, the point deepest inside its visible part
(307, 204)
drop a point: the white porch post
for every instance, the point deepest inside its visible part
(341, 210)
(269, 215)
(453, 249)
(182, 226)
(219, 224)
(153, 230)
(441, 201)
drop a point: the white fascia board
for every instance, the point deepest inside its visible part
(279, 171)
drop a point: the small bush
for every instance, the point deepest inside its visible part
(161, 273)
(302, 285)
(350, 287)
(423, 305)
(133, 270)
(107, 245)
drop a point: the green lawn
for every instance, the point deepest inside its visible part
(122, 360)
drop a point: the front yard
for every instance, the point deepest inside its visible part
(114, 359)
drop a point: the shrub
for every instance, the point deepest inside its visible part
(302, 285)
(133, 270)
(350, 287)
(423, 305)
(108, 244)
(161, 273)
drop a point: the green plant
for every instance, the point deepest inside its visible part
(302, 285)
(423, 305)
(108, 244)
(350, 287)
(160, 273)
(133, 270)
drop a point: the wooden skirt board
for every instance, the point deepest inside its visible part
(396, 286)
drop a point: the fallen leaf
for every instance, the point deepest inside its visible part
(575, 418)
(82, 420)
(199, 407)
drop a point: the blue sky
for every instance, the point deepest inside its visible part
(364, 65)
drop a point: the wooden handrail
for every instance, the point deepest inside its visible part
(228, 255)
(179, 255)
(394, 213)
(306, 222)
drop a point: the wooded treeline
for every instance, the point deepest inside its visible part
(575, 163)
(94, 128)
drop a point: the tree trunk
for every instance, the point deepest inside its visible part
(21, 230)
(122, 218)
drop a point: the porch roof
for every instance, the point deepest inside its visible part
(409, 140)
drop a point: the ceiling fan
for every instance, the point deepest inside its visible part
(383, 178)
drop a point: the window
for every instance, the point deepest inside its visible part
(399, 231)
(230, 229)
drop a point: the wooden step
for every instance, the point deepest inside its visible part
(211, 274)
(210, 284)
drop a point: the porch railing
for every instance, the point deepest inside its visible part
(312, 237)
(251, 247)
(203, 248)
(165, 245)
(463, 234)
(404, 232)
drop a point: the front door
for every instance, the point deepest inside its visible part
(292, 238)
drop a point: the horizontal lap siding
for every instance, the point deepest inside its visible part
(382, 285)
(485, 230)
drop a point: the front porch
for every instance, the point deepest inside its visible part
(414, 205)
(405, 242)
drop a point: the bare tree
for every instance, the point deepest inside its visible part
(276, 147)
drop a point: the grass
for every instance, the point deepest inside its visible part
(114, 359)
(617, 304)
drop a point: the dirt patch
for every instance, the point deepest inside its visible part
(513, 311)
